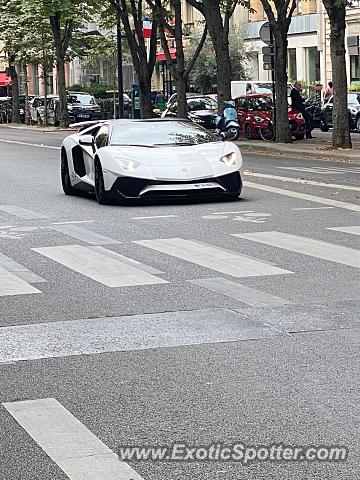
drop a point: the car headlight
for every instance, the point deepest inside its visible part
(353, 110)
(258, 119)
(196, 119)
(128, 164)
(299, 116)
(229, 159)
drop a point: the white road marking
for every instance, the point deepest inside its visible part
(228, 213)
(11, 284)
(209, 256)
(74, 221)
(304, 196)
(153, 216)
(312, 208)
(303, 181)
(354, 230)
(7, 226)
(99, 266)
(306, 246)
(87, 236)
(39, 145)
(94, 336)
(241, 293)
(326, 170)
(77, 451)
(20, 271)
(21, 212)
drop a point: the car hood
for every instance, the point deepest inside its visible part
(174, 162)
(202, 113)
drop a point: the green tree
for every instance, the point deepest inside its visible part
(336, 10)
(217, 14)
(180, 69)
(279, 14)
(131, 13)
(203, 76)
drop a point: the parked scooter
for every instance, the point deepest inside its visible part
(228, 122)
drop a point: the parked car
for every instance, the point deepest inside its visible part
(239, 87)
(201, 110)
(253, 109)
(173, 98)
(37, 110)
(353, 113)
(82, 107)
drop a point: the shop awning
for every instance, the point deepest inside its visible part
(160, 56)
(4, 80)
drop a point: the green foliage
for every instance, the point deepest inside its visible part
(99, 91)
(354, 87)
(203, 75)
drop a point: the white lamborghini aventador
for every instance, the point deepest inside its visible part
(123, 160)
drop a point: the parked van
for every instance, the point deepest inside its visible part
(238, 87)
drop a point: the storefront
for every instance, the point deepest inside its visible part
(5, 85)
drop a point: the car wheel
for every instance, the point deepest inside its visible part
(100, 192)
(65, 175)
(324, 127)
(248, 133)
(299, 136)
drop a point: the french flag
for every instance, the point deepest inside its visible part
(147, 27)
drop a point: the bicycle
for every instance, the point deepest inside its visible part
(267, 130)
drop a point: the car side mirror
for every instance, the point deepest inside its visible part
(86, 140)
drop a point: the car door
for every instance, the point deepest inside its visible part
(101, 140)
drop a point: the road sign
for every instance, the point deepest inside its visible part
(267, 58)
(267, 50)
(265, 33)
(267, 66)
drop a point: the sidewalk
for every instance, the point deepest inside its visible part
(318, 148)
(35, 128)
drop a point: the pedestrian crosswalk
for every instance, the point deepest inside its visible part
(222, 270)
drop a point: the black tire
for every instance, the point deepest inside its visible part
(267, 134)
(248, 133)
(100, 193)
(65, 175)
(324, 127)
(235, 132)
(300, 136)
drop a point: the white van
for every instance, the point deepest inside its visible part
(238, 87)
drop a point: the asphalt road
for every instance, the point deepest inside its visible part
(246, 330)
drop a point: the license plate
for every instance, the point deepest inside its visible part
(203, 185)
(83, 115)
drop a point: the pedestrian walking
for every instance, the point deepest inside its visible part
(328, 92)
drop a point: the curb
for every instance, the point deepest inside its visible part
(287, 150)
(35, 128)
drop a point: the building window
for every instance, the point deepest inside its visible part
(292, 72)
(299, 7)
(313, 64)
(354, 68)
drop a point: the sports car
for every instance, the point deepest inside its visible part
(122, 160)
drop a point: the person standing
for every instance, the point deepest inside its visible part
(329, 92)
(297, 103)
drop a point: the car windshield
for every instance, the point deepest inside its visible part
(267, 88)
(263, 104)
(160, 133)
(82, 99)
(354, 98)
(207, 103)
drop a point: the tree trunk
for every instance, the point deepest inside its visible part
(60, 74)
(146, 110)
(282, 106)
(182, 109)
(220, 40)
(341, 133)
(26, 106)
(15, 116)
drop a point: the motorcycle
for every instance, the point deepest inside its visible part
(227, 124)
